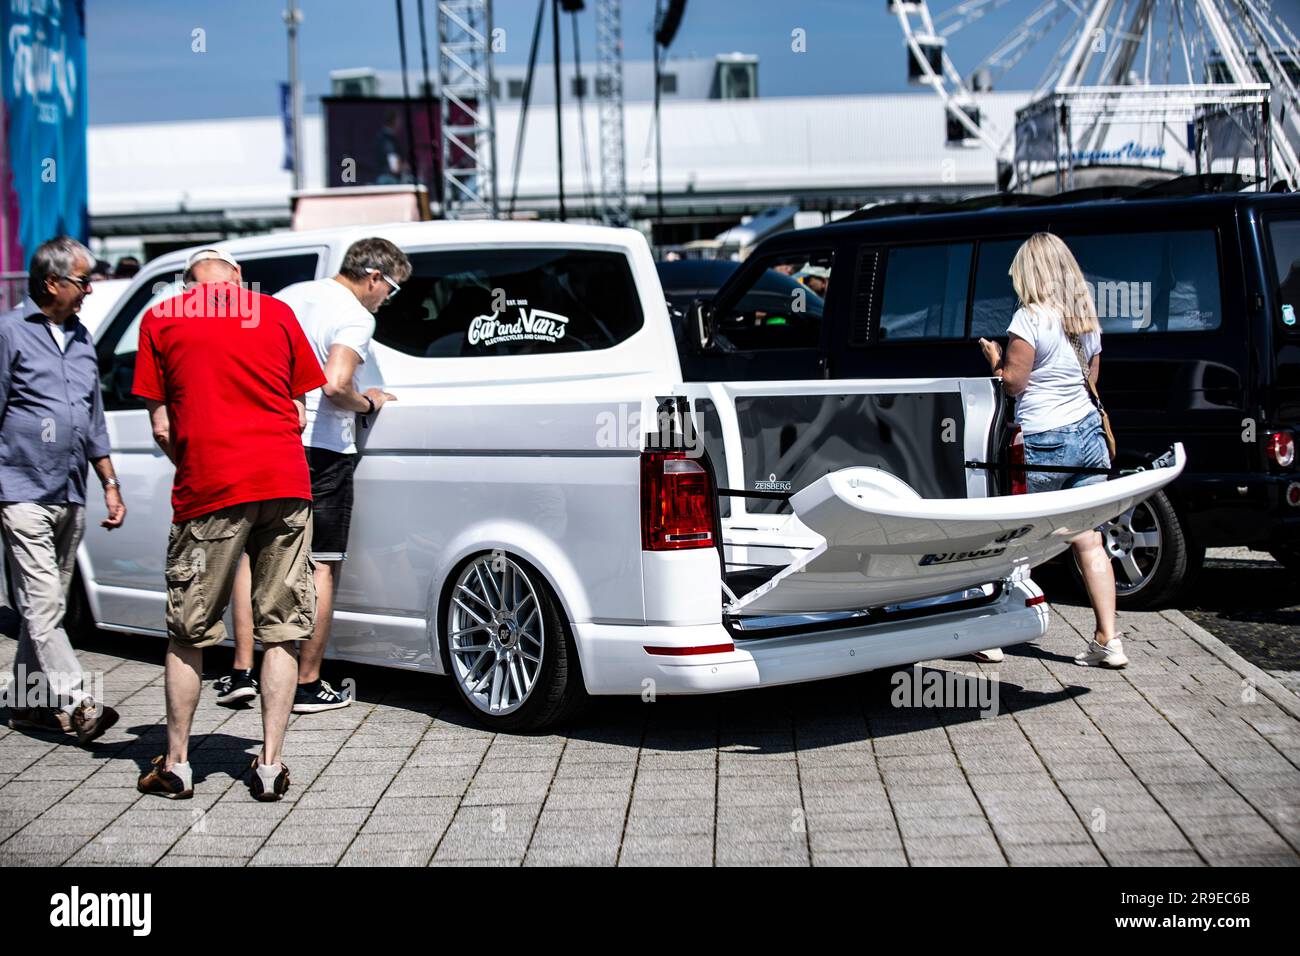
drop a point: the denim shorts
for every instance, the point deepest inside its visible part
(1079, 445)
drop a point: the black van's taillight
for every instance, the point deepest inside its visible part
(677, 502)
(1281, 449)
(1016, 459)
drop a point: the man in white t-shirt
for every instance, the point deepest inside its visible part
(337, 315)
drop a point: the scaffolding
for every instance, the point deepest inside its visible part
(609, 96)
(468, 113)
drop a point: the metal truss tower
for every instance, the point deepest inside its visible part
(469, 169)
(609, 96)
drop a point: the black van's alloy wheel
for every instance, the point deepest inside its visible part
(1150, 554)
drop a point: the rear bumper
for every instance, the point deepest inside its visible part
(615, 659)
(1242, 509)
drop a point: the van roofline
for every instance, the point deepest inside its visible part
(911, 223)
(433, 232)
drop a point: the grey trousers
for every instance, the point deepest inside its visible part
(41, 541)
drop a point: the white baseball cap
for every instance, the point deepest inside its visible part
(218, 254)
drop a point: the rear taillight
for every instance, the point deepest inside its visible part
(677, 501)
(1016, 457)
(1281, 449)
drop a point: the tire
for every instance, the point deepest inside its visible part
(500, 590)
(1151, 554)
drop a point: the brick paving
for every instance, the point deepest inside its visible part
(1190, 756)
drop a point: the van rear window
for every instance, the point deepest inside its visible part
(492, 302)
(1284, 234)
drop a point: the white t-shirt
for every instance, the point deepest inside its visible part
(1056, 395)
(330, 315)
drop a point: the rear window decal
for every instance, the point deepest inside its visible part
(535, 325)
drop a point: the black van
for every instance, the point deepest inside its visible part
(1198, 300)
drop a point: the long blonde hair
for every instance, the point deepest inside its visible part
(1045, 272)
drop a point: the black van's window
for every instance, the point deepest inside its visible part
(783, 306)
(117, 346)
(1284, 234)
(995, 300)
(1152, 281)
(490, 302)
(925, 292)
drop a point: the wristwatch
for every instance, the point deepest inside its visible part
(371, 403)
(111, 483)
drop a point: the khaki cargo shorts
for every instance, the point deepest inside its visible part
(203, 554)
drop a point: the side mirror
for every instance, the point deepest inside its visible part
(699, 318)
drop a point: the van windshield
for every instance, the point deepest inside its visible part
(493, 302)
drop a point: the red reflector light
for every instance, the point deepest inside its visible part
(1281, 449)
(686, 651)
(1030, 602)
(1016, 456)
(1293, 494)
(677, 501)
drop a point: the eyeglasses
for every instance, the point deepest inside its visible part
(81, 282)
(383, 275)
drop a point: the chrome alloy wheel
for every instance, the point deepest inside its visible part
(496, 636)
(1133, 542)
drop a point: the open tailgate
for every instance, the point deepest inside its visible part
(884, 544)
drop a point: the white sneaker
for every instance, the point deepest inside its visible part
(992, 656)
(1110, 654)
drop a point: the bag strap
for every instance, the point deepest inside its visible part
(1083, 367)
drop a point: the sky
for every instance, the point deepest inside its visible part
(142, 65)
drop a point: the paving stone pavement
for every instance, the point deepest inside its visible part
(1188, 757)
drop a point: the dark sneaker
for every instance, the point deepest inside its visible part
(48, 719)
(91, 719)
(235, 687)
(313, 698)
(163, 783)
(258, 789)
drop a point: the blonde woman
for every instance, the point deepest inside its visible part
(1056, 324)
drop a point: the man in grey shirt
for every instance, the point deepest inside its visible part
(51, 423)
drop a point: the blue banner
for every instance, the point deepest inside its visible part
(44, 81)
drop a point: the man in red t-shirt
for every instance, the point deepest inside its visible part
(224, 371)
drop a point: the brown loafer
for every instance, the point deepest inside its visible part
(40, 718)
(258, 789)
(91, 719)
(162, 782)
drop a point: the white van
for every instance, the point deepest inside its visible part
(548, 512)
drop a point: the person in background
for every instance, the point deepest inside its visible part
(337, 315)
(127, 267)
(1054, 330)
(51, 424)
(224, 372)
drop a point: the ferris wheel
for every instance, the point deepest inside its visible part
(1165, 47)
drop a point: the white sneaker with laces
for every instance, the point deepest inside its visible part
(1110, 654)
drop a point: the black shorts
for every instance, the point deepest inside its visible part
(331, 502)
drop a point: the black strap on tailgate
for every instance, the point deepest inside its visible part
(1050, 469)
